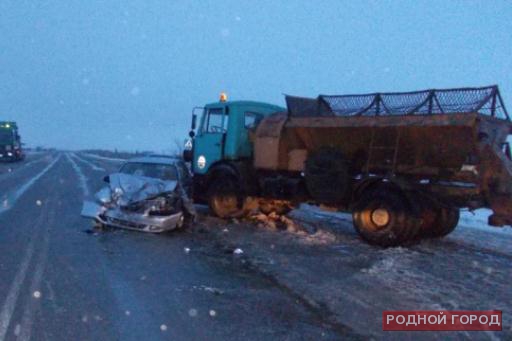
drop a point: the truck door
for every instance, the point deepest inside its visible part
(209, 143)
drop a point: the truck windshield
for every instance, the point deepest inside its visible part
(214, 121)
(6, 136)
(151, 170)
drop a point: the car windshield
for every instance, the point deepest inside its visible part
(151, 170)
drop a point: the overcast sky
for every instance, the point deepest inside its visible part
(126, 74)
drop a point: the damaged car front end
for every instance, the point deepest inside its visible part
(141, 203)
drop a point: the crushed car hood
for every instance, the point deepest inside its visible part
(127, 189)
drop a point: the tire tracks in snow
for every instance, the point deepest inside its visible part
(12, 297)
(14, 290)
(14, 171)
(88, 163)
(81, 177)
(99, 157)
(23, 331)
(35, 286)
(13, 196)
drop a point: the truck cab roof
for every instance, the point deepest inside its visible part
(273, 107)
(8, 125)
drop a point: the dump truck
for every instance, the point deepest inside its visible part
(10, 142)
(404, 164)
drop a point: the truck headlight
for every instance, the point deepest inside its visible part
(201, 162)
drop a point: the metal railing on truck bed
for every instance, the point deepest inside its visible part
(484, 100)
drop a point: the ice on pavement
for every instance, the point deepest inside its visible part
(81, 177)
(17, 330)
(11, 197)
(99, 157)
(88, 163)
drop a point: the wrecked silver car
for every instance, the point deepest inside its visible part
(150, 194)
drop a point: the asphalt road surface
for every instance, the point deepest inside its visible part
(59, 280)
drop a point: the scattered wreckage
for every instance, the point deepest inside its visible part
(150, 194)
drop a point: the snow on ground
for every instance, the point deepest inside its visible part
(90, 164)
(478, 220)
(9, 199)
(103, 157)
(34, 152)
(81, 177)
(5, 173)
(355, 282)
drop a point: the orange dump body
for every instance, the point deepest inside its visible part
(461, 156)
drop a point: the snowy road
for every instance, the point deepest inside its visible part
(58, 281)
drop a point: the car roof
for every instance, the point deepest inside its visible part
(156, 159)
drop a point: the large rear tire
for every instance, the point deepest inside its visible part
(447, 220)
(385, 218)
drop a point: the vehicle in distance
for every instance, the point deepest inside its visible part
(149, 194)
(402, 163)
(10, 142)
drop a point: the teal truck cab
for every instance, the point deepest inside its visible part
(221, 146)
(10, 142)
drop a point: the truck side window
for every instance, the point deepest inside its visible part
(213, 122)
(251, 120)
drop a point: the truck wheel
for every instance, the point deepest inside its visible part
(385, 218)
(225, 199)
(427, 210)
(446, 222)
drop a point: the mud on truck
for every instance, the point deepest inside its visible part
(10, 142)
(404, 163)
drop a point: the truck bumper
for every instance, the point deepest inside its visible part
(5, 157)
